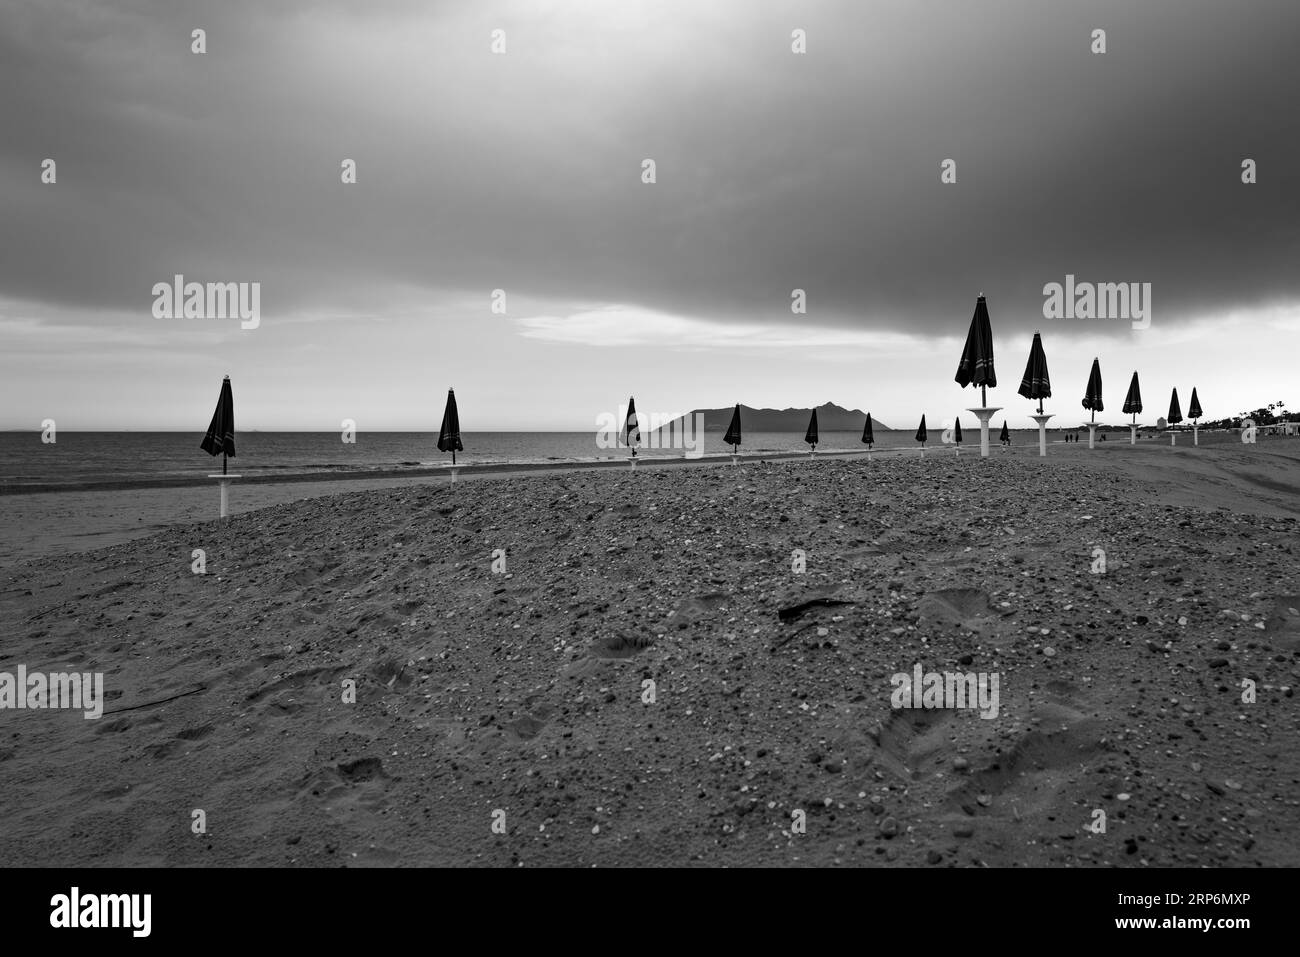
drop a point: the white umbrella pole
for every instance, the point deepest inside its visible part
(984, 413)
(1042, 433)
(223, 483)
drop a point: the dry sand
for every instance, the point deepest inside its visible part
(523, 692)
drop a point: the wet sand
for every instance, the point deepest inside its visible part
(69, 519)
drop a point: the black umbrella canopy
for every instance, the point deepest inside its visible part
(921, 434)
(449, 434)
(976, 366)
(1006, 433)
(1036, 384)
(1133, 401)
(631, 428)
(867, 435)
(1092, 397)
(1194, 408)
(811, 435)
(733, 430)
(956, 431)
(220, 439)
(1175, 410)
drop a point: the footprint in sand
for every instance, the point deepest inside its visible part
(967, 607)
(911, 740)
(360, 784)
(1038, 777)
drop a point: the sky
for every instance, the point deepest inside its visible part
(523, 171)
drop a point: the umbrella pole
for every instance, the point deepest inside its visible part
(223, 483)
(984, 398)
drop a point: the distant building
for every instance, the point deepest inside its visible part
(1279, 428)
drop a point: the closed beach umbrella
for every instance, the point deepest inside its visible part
(733, 431)
(1175, 410)
(921, 434)
(867, 435)
(1006, 434)
(1133, 401)
(1194, 413)
(449, 435)
(1092, 397)
(956, 431)
(1036, 384)
(811, 435)
(1175, 415)
(631, 429)
(221, 433)
(976, 365)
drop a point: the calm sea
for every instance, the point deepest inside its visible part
(124, 457)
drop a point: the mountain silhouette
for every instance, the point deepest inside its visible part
(830, 418)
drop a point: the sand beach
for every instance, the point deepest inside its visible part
(649, 680)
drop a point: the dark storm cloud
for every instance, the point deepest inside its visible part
(775, 171)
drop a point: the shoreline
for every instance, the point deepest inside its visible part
(200, 479)
(413, 472)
